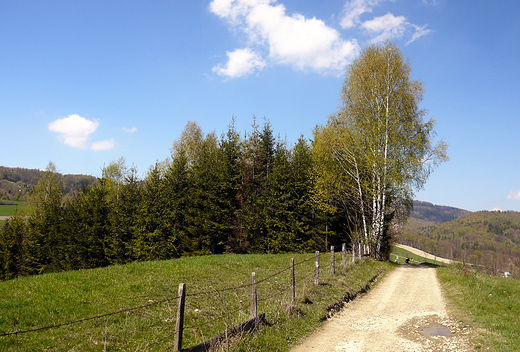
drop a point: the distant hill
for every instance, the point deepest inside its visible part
(427, 214)
(486, 239)
(17, 183)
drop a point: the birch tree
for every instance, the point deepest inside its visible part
(377, 149)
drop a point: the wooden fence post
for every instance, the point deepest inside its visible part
(332, 261)
(293, 288)
(359, 251)
(252, 311)
(179, 326)
(353, 252)
(343, 254)
(317, 269)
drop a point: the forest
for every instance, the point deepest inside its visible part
(487, 240)
(215, 195)
(249, 193)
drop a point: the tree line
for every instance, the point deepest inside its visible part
(247, 194)
(214, 195)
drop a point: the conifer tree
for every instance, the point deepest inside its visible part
(45, 245)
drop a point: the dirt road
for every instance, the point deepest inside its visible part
(424, 254)
(391, 317)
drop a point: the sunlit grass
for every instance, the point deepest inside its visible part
(489, 304)
(52, 299)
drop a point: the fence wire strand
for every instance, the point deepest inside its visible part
(19, 332)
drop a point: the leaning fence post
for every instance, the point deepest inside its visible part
(317, 269)
(252, 311)
(293, 288)
(179, 326)
(343, 254)
(332, 261)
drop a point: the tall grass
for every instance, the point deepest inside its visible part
(489, 304)
(52, 299)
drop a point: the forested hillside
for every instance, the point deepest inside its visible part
(427, 214)
(17, 183)
(490, 240)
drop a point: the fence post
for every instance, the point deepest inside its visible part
(252, 311)
(293, 285)
(353, 252)
(317, 269)
(332, 261)
(359, 251)
(179, 326)
(343, 254)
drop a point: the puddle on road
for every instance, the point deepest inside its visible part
(437, 331)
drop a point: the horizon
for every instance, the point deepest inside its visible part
(84, 84)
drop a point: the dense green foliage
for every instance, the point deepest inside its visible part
(214, 195)
(488, 304)
(489, 240)
(44, 300)
(377, 149)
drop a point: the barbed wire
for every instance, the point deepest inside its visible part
(19, 332)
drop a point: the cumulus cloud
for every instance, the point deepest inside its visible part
(103, 145)
(241, 62)
(514, 195)
(74, 130)
(302, 43)
(275, 37)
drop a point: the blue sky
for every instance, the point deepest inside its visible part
(83, 83)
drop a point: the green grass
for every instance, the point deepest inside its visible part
(9, 207)
(38, 301)
(489, 304)
(414, 258)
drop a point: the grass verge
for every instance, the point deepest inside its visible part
(488, 304)
(53, 299)
(414, 258)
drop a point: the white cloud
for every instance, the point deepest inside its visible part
(74, 130)
(296, 41)
(514, 195)
(419, 32)
(241, 62)
(354, 9)
(384, 23)
(300, 42)
(277, 38)
(103, 145)
(130, 130)
(386, 27)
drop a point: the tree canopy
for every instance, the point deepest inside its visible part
(376, 150)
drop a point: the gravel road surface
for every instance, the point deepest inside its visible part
(392, 317)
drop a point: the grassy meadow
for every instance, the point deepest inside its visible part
(489, 304)
(10, 207)
(52, 299)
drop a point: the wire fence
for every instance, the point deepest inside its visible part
(210, 318)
